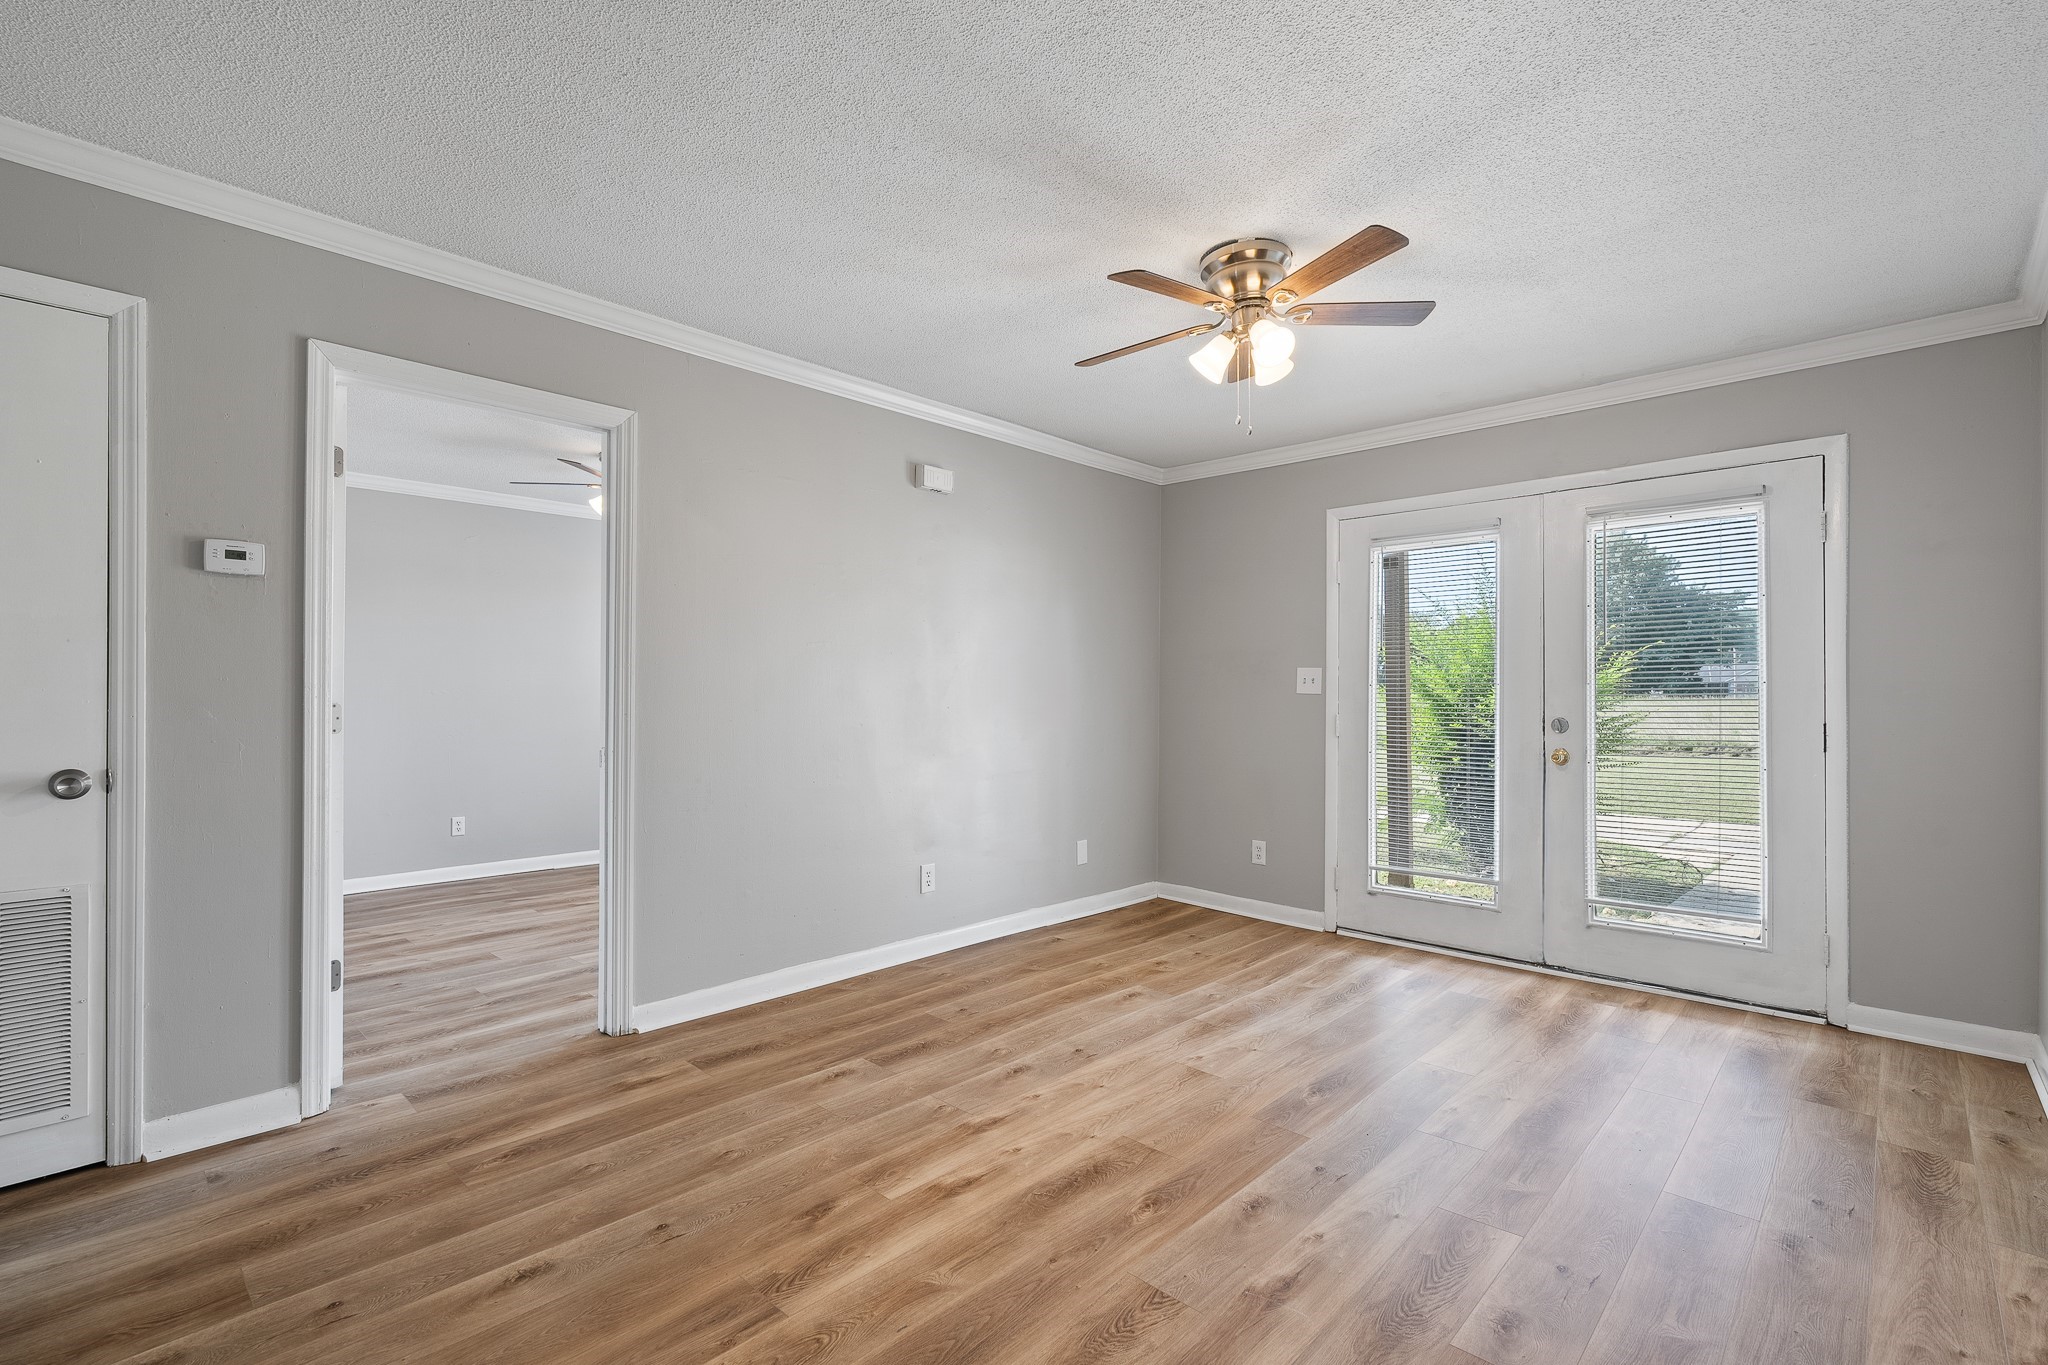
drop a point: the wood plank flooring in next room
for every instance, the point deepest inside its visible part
(1161, 1135)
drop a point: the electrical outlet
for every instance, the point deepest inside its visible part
(1080, 851)
(1308, 680)
(458, 824)
(1259, 852)
(927, 878)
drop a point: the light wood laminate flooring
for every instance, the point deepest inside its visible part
(1160, 1135)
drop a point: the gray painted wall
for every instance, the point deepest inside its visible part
(475, 683)
(1945, 648)
(840, 677)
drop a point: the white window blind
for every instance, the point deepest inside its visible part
(1435, 741)
(1678, 698)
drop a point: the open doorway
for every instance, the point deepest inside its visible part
(466, 651)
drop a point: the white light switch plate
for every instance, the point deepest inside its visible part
(1080, 851)
(1308, 680)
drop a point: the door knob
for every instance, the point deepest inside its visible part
(69, 784)
(1560, 756)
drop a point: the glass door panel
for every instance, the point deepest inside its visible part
(1438, 679)
(1683, 651)
(1436, 743)
(1676, 753)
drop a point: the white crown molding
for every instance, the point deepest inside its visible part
(448, 492)
(1972, 322)
(80, 160)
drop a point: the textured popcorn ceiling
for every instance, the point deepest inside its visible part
(929, 195)
(431, 440)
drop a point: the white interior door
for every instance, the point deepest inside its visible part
(53, 738)
(1439, 684)
(1584, 728)
(1684, 648)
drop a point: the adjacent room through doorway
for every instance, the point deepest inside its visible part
(472, 731)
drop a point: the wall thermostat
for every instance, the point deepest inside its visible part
(934, 479)
(233, 556)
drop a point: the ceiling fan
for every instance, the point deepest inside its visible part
(1248, 284)
(596, 480)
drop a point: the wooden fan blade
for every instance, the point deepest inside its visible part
(1365, 314)
(1240, 363)
(1142, 345)
(1173, 289)
(1353, 254)
(578, 464)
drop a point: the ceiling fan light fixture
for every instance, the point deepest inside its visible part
(1213, 360)
(1271, 341)
(597, 503)
(1267, 369)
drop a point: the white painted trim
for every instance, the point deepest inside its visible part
(467, 872)
(2034, 274)
(127, 682)
(617, 898)
(482, 497)
(80, 160)
(320, 817)
(96, 165)
(1834, 569)
(2037, 1068)
(2009, 1045)
(217, 1123)
(1270, 911)
(810, 975)
(329, 369)
(1833, 452)
(1973, 322)
(2005, 1044)
(1561, 483)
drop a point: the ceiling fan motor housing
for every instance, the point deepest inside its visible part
(1246, 267)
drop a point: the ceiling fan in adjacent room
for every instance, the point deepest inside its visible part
(596, 480)
(1248, 284)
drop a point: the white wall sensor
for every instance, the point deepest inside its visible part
(934, 479)
(234, 556)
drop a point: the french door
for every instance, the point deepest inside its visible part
(1584, 728)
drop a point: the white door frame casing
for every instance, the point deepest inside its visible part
(329, 368)
(1834, 454)
(127, 679)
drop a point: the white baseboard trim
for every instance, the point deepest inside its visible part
(218, 1123)
(808, 975)
(431, 876)
(2008, 1045)
(2037, 1067)
(1270, 911)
